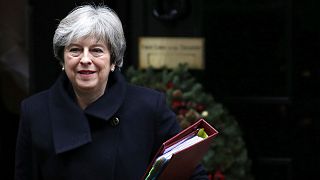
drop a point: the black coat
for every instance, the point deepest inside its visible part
(113, 138)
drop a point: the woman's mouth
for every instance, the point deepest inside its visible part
(86, 72)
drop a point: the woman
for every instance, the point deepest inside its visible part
(91, 124)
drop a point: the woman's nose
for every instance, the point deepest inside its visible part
(86, 59)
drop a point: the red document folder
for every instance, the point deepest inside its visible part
(182, 163)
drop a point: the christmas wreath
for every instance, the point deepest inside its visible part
(227, 156)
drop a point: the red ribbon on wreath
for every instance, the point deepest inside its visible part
(217, 175)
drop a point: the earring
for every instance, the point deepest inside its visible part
(112, 68)
(62, 68)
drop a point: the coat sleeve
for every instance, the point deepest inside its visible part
(23, 154)
(168, 126)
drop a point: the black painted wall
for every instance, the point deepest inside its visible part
(261, 63)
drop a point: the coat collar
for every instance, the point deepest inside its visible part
(70, 125)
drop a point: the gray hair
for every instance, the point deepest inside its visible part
(99, 22)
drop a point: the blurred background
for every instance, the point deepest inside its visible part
(261, 62)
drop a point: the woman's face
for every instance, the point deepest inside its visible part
(87, 64)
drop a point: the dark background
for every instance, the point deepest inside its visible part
(261, 62)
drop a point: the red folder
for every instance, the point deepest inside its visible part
(183, 163)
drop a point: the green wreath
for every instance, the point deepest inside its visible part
(227, 156)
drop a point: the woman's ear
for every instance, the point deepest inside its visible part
(62, 66)
(113, 66)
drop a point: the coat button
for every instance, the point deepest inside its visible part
(114, 122)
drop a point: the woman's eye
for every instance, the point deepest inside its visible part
(75, 51)
(97, 52)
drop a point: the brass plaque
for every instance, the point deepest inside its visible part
(169, 52)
